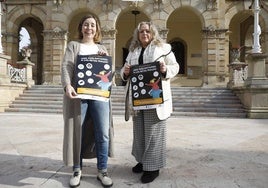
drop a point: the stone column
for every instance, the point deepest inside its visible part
(255, 94)
(4, 78)
(54, 47)
(108, 40)
(215, 70)
(266, 47)
(256, 48)
(256, 72)
(1, 47)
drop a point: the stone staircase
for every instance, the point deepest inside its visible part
(206, 102)
(187, 101)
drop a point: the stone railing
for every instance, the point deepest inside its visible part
(21, 72)
(12, 81)
(16, 73)
(238, 74)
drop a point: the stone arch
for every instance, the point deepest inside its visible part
(73, 9)
(124, 34)
(14, 19)
(32, 19)
(241, 28)
(195, 6)
(234, 9)
(35, 29)
(22, 11)
(185, 25)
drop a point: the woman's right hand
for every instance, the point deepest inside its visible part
(70, 91)
(126, 69)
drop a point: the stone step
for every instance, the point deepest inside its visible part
(31, 110)
(209, 114)
(37, 106)
(207, 109)
(206, 102)
(56, 111)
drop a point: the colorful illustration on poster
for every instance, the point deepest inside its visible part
(94, 77)
(146, 86)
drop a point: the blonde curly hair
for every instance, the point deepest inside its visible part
(156, 39)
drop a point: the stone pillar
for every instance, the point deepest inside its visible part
(4, 78)
(256, 48)
(1, 47)
(108, 36)
(215, 70)
(54, 47)
(10, 42)
(257, 73)
(265, 43)
(29, 71)
(255, 94)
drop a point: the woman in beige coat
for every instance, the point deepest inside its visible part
(149, 126)
(88, 128)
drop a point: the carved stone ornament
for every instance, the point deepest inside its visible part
(57, 32)
(234, 54)
(26, 52)
(107, 5)
(108, 32)
(211, 5)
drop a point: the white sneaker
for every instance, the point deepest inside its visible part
(105, 180)
(75, 179)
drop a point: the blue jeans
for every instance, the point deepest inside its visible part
(99, 112)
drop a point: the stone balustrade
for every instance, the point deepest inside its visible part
(14, 79)
(238, 72)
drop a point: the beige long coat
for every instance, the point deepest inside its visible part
(72, 115)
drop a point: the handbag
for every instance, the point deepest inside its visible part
(127, 102)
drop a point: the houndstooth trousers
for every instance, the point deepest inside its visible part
(149, 140)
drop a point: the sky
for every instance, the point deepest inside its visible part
(25, 38)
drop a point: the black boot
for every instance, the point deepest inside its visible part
(149, 176)
(137, 168)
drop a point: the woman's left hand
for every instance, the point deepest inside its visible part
(163, 67)
(101, 52)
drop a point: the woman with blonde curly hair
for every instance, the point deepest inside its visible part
(149, 125)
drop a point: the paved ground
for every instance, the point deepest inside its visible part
(202, 153)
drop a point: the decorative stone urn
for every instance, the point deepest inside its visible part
(26, 52)
(234, 54)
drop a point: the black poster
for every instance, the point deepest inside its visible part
(93, 77)
(146, 86)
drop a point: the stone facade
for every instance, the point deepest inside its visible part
(201, 32)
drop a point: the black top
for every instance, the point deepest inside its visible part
(141, 56)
